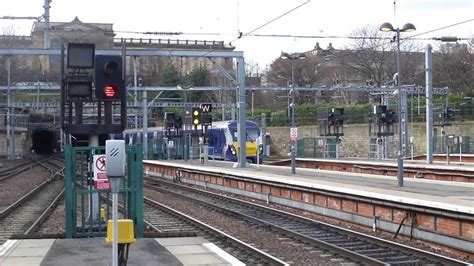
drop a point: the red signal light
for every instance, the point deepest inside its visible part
(110, 91)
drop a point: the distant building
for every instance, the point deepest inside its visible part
(334, 66)
(103, 35)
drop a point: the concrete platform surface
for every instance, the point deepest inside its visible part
(197, 251)
(94, 251)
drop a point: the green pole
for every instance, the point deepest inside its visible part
(69, 192)
(138, 180)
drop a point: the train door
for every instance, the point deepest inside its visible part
(218, 142)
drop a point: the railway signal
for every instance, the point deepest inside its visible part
(391, 117)
(169, 120)
(338, 116)
(331, 120)
(206, 119)
(196, 115)
(178, 123)
(109, 84)
(449, 114)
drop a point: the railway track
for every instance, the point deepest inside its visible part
(348, 245)
(23, 216)
(15, 170)
(167, 220)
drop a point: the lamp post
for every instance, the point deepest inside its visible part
(387, 27)
(292, 57)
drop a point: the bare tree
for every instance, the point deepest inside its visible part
(368, 58)
(150, 68)
(18, 64)
(305, 72)
(252, 69)
(453, 66)
(372, 57)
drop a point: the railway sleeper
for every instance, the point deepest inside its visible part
(354, 245)
(404, 261)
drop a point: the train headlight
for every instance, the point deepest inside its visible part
(260, 148)
(232, 150)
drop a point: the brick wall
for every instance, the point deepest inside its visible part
(448, 225)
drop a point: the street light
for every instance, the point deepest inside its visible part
(387, 27)
(293, 57)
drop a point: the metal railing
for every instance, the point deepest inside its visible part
(150, 41)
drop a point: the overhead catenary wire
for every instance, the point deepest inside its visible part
(252, 34)
(241, 35)
(441, 28)
(305, 36)
(270, 21)
(159, 33)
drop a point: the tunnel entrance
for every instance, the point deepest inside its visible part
(43, 141)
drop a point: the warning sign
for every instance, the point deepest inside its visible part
(293, 134)
(100, 177)
(100, 162)
(101, 184)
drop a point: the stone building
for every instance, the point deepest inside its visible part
(102, 34)
(104, 37)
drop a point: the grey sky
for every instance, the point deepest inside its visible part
(226, 17)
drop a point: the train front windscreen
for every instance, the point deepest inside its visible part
(252, 132)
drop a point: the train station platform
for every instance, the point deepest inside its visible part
(459, 172)
(447, 195)
(437, 211)
(94, 251)
(420, 164)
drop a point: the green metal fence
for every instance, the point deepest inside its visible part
(306, 148)
(323, 147)
(160, 148)
(441, 147)
(84, 202)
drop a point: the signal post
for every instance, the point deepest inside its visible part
(201, 116)
(331, 124)
(381, 126)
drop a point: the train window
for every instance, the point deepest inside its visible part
(252, 134)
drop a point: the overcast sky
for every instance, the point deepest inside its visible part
(225, 18)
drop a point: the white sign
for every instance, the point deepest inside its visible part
(293, 134)
(100, 177)
(320, 143)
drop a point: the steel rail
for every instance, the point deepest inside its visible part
(266, 257)
(417, 252)
(45, 213)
